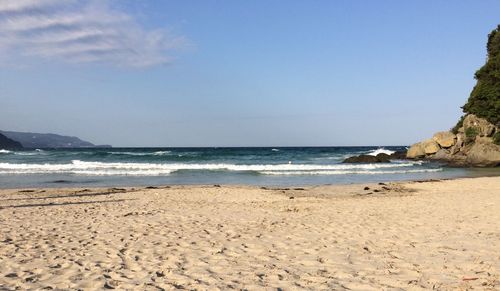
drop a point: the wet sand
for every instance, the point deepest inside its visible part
(407, 235)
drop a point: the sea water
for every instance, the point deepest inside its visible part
(280, 166)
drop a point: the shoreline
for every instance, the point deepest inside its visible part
(404, 235)
(63, 184)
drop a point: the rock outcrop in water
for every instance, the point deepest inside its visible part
(9, 144)
(380, 158)
(368, 159)
(475, 140)
(473, 145)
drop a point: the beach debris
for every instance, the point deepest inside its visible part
(117, 189)
(469, 278)
(56, 266)
(111, 284)
(26, 191)
(366, 188)
(382, 184)
(83, 190)
(160, 274)
(291, 197)
(217, 186)
(7, 240)
(299, 189)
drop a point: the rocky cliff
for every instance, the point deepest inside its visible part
(9, 144)
(475, 140)
(475, 144)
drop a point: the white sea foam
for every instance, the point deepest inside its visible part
(275, 150)
(2, 151)
(157, 169)
(161, 153)
(341, 172)
(380, 151)
(158, 153)
(35, 152)
(130, 153)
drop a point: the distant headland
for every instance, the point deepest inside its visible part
(18, 140)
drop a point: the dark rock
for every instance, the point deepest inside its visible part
(366, 188)
(399, 155)
(368, 159)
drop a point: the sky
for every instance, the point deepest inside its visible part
(240, 73)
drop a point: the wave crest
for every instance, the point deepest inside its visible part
(157, 169)
(381, 151)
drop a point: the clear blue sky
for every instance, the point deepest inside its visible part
(240, 73)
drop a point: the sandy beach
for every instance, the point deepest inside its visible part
(441, 235)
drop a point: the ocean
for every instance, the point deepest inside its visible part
(280, 166)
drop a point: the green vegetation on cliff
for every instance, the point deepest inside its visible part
(484, 100)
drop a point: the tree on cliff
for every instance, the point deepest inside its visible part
(484, 100)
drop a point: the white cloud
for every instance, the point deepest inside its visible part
(80, 32)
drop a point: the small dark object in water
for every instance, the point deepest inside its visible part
(366, 188)
(60, 181)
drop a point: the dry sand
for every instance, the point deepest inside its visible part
(407, 236)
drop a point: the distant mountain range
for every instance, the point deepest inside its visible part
(45, 140)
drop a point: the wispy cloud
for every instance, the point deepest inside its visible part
(76, 31)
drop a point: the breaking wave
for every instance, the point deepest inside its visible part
(380, 151)
(341, 172)
(158, 169)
